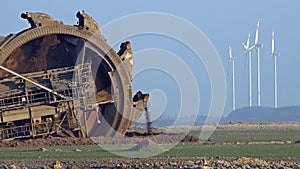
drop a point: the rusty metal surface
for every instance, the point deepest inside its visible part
(50, 46)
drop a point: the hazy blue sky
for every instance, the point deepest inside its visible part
(226, 23)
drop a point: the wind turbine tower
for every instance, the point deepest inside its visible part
(248, 50)
(275, 69)
(257, 47)
(231, 59)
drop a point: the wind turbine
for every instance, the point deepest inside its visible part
(231, 58)
(248, 50)
(257, 47)
(275, 68)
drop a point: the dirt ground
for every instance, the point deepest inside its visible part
(241, 126)
(69, 141)
(135, 135)
(196, 162)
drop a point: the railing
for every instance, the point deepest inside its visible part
(24, 131)
(15, 132)
(81, 92)
(61, 81)
(36, 98)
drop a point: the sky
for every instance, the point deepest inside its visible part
(225, 23)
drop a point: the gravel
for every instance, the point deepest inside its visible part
(196, 162)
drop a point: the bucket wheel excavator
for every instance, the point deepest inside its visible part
(65, 80)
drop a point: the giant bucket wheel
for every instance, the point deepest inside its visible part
(50, 44)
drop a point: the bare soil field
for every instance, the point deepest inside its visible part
(69, 141)
(170, 160)
(241, 126)
(196, 162)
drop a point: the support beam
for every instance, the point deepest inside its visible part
(31, 81)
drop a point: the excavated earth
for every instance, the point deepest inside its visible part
(193, 162)
(166, 162)
(69, 141)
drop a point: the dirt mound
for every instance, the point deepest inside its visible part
(189, 138)
(158, 139)
(69, 141)
(50, 141)
(164, 136)
(135, 133)
(146, 145)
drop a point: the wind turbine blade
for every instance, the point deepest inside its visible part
(256, 33)
(273, 41)
(251, 47)
(245, 46)
(248, 41)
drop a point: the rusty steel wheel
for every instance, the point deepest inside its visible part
(121, 118)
